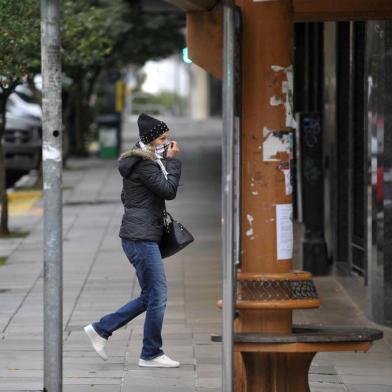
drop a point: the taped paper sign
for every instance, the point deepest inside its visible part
(284, 231)
(275, 142)
(284, 167)
(50, 152)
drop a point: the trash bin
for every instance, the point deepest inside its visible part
(109, 134)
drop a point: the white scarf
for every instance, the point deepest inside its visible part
(158, 160)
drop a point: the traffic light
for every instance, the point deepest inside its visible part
(185, 57)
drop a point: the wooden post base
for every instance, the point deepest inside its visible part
(277, 372)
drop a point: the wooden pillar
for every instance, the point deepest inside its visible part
(280, 372)
(267, 43)
(266, 63)
(267, 288)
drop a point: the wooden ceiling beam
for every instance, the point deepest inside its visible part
(205, 40)
(336, 10)
(314, 10)
(193, 5)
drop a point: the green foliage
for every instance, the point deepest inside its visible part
(99, 35)
(89, 30)
(94, 34)
(149, 37)
(19, 40)
(19, 56)
(111, 33)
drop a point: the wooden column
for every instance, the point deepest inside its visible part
(266, 60)
(267, 288)
(267, 55)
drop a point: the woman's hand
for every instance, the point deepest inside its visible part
(172, 150)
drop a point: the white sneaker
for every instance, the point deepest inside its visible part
(161, 361)
(97, 341)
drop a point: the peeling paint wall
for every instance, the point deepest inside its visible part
(287, 91)
(250, 232)
(275, 142)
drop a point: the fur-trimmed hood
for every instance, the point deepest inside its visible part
(134, 155)
(136, 151)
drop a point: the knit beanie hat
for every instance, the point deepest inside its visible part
(150, 128)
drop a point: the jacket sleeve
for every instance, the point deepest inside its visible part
(152, 177)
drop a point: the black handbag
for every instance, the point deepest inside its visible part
(175, 236)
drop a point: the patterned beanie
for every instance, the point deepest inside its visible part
(150, 128)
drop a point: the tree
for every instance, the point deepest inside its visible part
(107, 34)
(150, 36)
(96, 34)
(20, 54)
(88, 31)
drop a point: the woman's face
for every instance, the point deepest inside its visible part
(162, 139)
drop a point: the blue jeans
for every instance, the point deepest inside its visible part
(146, 258)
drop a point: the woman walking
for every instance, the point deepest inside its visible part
(150, 174)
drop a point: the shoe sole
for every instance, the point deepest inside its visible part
(158, 365)
(87, 331)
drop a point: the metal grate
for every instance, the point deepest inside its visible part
(268, 290)
(17, 136)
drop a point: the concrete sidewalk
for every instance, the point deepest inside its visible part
(98, 279)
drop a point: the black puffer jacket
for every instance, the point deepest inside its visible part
(144, 192)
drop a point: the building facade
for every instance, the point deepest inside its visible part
(343, 74)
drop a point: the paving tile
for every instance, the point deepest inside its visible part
(98, 279)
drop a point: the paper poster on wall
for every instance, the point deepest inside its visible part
(284, 231)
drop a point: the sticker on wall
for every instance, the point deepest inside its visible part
(284, 167)
(250, 232)
(284, 231)
(275, 142)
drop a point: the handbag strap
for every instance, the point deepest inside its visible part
(166, 213)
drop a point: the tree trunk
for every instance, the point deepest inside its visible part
(77, 114)
(68, 121)
(91, 82)
(80, 117)
(3, 190)
(90, 85)
(36, 93)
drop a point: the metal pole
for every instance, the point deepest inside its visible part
(227, 196)
(237, 141)
(52, 178)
